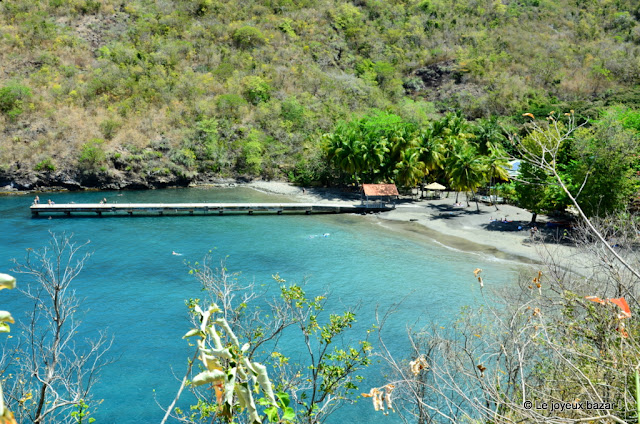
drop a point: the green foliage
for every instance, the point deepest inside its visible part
(537, 192)
(286, 26)
(334, 365)
(228, 368)
(346, 17)
(605, 156)
(248, 36)
(185, 157)
(230, 105)
(45, 165)
(288, 413)
(252, 153)
(292, 111)
(597, 163)
(92, 155)
(109, 128)
(12, 99)
(300, 390)
(314, 63)
(256, 89)
(372, 147)
(82, 412)
(467, 170)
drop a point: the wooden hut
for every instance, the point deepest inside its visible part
(377, 195)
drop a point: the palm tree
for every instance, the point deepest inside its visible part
(345, 151)
(373, 153)
(410, 170)
(400, 140)
(488, 135)
(467, 170)
(496, 163)
(431, 148)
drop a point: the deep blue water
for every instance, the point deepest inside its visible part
(135, 288)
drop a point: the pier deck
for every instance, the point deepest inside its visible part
(115, 209)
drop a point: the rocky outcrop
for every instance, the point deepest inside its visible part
(112, 179)
(25, 180)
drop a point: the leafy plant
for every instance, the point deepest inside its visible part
(248, 36)
(12, 98)
(45, 165)
(227, 369)
(92, 155)
(256, 89)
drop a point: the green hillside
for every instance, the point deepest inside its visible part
(135, 93)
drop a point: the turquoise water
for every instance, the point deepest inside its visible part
(135, 288)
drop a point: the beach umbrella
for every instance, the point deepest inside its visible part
(435, 186)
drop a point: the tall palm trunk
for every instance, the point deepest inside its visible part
(493, 198)
(476, 197)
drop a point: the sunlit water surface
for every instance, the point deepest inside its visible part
(134, 287)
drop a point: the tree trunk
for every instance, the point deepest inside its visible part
(493, 199)
(534, 215)
(476, 197)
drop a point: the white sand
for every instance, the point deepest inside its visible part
(461, 227)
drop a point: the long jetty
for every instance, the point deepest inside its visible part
(160, 209)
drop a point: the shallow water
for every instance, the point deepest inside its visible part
(135, 288)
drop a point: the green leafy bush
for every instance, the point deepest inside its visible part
(252, 153)
(12, 97)
(292, 111)
(92, 155)
(45, 165)
(248, 36)
(185, 157)
(109, 127)
(256, 89)
(229, 105)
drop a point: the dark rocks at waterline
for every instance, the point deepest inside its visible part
(73, 180)
(20, 180)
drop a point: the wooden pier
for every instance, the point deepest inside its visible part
(159, 209)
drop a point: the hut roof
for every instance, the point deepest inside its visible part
(380, 190)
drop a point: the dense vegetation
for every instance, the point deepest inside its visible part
(164, 92)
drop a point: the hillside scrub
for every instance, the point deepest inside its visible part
(146, 74)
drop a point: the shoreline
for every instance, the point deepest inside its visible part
(461, 228)
(458, 227)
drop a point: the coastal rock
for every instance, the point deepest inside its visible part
(18, 179)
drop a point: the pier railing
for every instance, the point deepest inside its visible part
(157, 209)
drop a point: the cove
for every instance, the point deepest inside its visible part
(134, 288)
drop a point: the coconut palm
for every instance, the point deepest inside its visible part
(410, 170)
(496, 163)
(345, 150)
(466, 169)
(431, 148)
(488, 135)
(373, 154)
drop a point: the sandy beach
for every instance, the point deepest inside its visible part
(504, 233)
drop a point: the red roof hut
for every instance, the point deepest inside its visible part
(377, 195)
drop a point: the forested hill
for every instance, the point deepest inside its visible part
(119, 93)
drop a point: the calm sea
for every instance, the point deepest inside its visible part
(134, 287)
